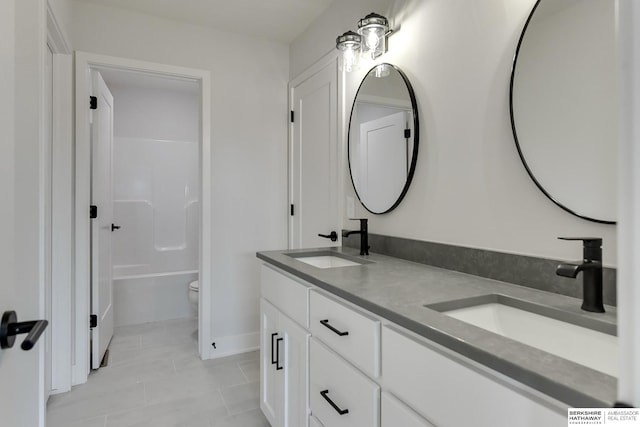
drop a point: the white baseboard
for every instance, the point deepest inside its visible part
(234, 344)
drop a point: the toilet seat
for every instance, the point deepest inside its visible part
(194, 286)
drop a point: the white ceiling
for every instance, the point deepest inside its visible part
(277, 20)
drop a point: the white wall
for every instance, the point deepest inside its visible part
(470, 188)
(169, 113)
(249, 136)
(155, 179)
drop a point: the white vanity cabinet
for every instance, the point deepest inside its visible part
(284, 350)
(327, 362)
(395, 413)
(452, 391)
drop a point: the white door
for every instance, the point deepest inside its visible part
(21, 372)
(11, 361)
(295, 355)
(314, 184)
(384, 160)
(101, 227)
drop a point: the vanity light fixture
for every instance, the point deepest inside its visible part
(349, 44)
(373, 28)
(370, 41)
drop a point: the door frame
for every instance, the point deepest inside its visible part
(62, 206)
(331, 58)
(628, 228)
(83, 63)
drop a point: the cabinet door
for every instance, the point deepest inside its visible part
(294, 357)
(271, 382)
(395, 413)
(286, 294)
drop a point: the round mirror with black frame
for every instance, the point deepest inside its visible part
(563, 105)
(383, 138)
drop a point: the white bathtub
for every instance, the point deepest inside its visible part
(146, 298)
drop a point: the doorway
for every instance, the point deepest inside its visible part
(123, 77)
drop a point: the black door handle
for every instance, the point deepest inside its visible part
(333, 236)
(324, 394)
(9, 328)
(114, 227)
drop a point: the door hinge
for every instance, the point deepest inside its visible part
(93, 212)
(93, 321)
(292, 116)
(407, 133)
(93, 103)
(292, 210)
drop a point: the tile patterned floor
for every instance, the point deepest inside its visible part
(155, 378)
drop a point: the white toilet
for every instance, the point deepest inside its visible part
(194, 288)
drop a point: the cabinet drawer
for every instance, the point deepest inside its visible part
(288, 295)
(435, 384)
(336, 386)
(395, 414)
(348, 331)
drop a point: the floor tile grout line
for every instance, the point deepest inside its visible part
(224, 402)
(243, 373)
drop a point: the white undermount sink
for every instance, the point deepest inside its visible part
(519, 321)
(325, 259)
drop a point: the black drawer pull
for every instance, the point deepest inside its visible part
(273, 347)
(325, 323)
(324, 394)
(278, 367)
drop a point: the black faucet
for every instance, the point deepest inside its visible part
(364, 235)
(591, 266)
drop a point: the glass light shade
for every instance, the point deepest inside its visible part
(382, 70)
(349, 44)
(373, 29)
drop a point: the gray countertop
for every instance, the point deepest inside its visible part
(397, 290)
